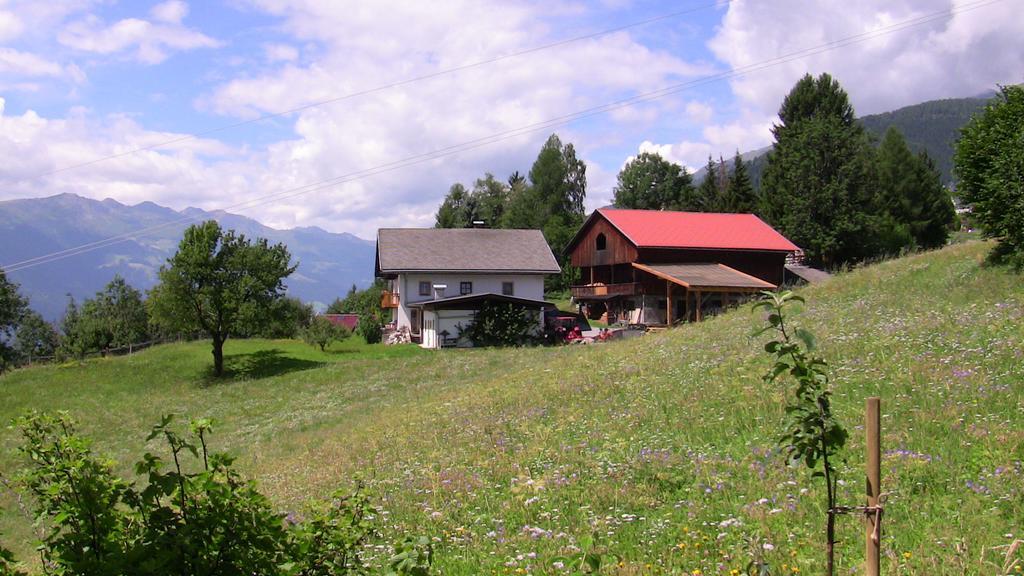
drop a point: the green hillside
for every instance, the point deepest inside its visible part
(662, 447)
(932, 126)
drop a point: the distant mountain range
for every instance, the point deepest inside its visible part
(932, 126)
(329, 264)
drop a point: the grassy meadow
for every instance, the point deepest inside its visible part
(661, 449)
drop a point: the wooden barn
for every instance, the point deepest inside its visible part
(658, 268)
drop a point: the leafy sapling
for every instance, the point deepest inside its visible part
(812, 434)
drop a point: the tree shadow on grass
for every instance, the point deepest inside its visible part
(256, 365)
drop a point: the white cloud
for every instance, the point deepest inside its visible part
(277, 52)
(358, 48)
(718, 140)
(10, 26)
(27, 64)
(150, 42)
(172, 11)
(962, 55)
(179, 174)
(699, 112)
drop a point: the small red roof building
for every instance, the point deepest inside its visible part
(659, 267)
(347, 320)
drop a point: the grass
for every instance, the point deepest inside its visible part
(660, 447)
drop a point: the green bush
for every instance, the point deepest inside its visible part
(501, 324)
(321, 332)
(370, 328)
(209, 521)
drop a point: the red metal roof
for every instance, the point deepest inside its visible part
(347, 320)
(657, 229)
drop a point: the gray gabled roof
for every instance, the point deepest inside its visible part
(463, 250)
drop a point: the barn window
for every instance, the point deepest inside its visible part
(508, 288)
(424, 288)
(465, 288)
(602, 242)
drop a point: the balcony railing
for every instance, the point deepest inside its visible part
(388, 299)
(595, 290)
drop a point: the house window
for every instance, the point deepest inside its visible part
(465, 288)
(602, 242)
(508, 288)
(424, 288)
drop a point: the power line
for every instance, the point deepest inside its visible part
(382, 87)
(513, 133)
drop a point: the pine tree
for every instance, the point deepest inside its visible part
(818, 185)
(708, 193)
(742, 198)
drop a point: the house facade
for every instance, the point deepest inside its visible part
(438, 278)
(658, 268)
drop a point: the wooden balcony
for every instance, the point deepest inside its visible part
(604, 290)
(388, 299)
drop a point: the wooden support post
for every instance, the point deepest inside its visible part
(668, 303)
(687, 304)
(698, 305)
(872, 528)
(725, 300)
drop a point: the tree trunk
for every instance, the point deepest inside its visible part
(830, 531)
(218, 356)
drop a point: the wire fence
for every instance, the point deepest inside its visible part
(125, 350)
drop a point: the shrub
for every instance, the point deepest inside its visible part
(501, 324)
(370, 328)
(210, 521)
(321, 332)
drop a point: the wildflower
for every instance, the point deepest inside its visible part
(906, 555)
(696, 572)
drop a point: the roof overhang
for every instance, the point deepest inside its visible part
(463, 271)
(709, 277)
(473, 301)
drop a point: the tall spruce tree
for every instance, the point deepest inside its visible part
(741, 198)
(817, 187)
(709, 193)
(911, 193)
(457, 209)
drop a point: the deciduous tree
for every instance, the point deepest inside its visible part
(12, 307)
(35, 338)
(213, 276)
(321, 332)
(649, 182)
(989, 166)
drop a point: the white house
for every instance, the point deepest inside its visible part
(437, 278)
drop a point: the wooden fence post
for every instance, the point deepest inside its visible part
(873, 514)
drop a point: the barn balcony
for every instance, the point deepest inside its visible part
(388, 299)
(605, 290)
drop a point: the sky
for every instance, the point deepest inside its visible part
(353, 116)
